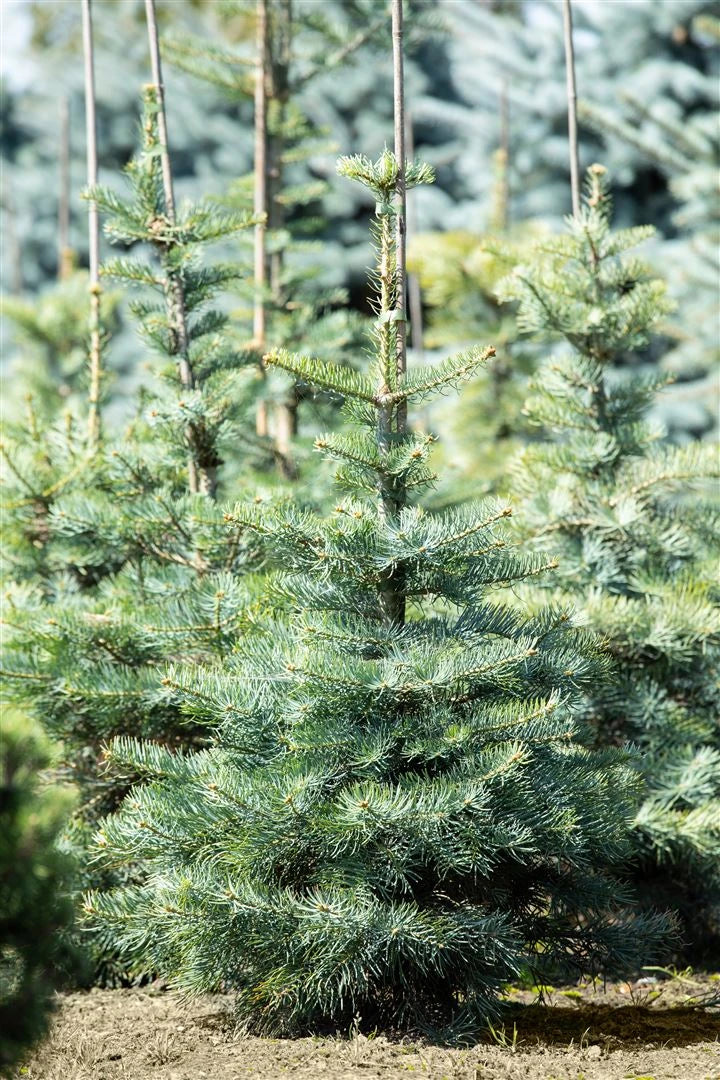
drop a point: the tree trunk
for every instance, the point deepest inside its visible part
(280, 43)
(202, 473)
(392, 417)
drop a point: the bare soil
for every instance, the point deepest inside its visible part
(665, 1026)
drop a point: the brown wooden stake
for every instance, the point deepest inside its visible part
(400, 202)
(279, 49)
(95, 353)
(260, 202)
(413, 281)
(65, 257)
(572, 107)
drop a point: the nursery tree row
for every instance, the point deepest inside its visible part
(348, 737)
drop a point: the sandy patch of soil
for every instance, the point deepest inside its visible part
(667, 1029)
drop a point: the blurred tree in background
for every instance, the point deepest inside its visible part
(507, 59)
(473, 69)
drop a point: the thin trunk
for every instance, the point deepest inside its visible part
(64, 259)
(400, 200)
(260, 198)
(391, 496)
(277, 83)
(161, 116)
(572, 107)
(413, 281)
(392, 419)
(95, 355)
(202, 475)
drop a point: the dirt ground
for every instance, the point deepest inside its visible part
(665, 1026)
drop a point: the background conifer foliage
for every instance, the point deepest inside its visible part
(360, 728)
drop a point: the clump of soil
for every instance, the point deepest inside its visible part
(663, 1027)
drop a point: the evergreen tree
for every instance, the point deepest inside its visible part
(289, 305)
(458, 272)
(684, 145)
(634, 540)
(131, 562)
(35, 912)
(394, 818)
(662, 154)
(205, 139)
(118, 565)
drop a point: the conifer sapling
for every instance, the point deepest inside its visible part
(394, 818)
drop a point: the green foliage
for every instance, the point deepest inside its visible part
(48, 349)
(647, 77)
(35, 910)
(299, 310)
(114, 566)
(393, 817)
(634, 528)
(458, 272)
(179, 326)
(684, 145)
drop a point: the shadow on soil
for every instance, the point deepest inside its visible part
(612, 1025)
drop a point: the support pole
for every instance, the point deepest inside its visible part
(260, 201)
(400, 204)
(64, 256)
(95, 353)
(572, 107)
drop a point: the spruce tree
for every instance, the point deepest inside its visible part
(290, 306)
(647, 78)
(125, 561)
(394, 818)
(683, 145)
(133, 566)
(459, 271)
(631, 521)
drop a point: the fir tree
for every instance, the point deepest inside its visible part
(634, 540)
(290, 306)
(647, 81)
(459, 271)
(684, 146)
(119, 566)
(130, 562)
(46, 348)
(394, 818)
